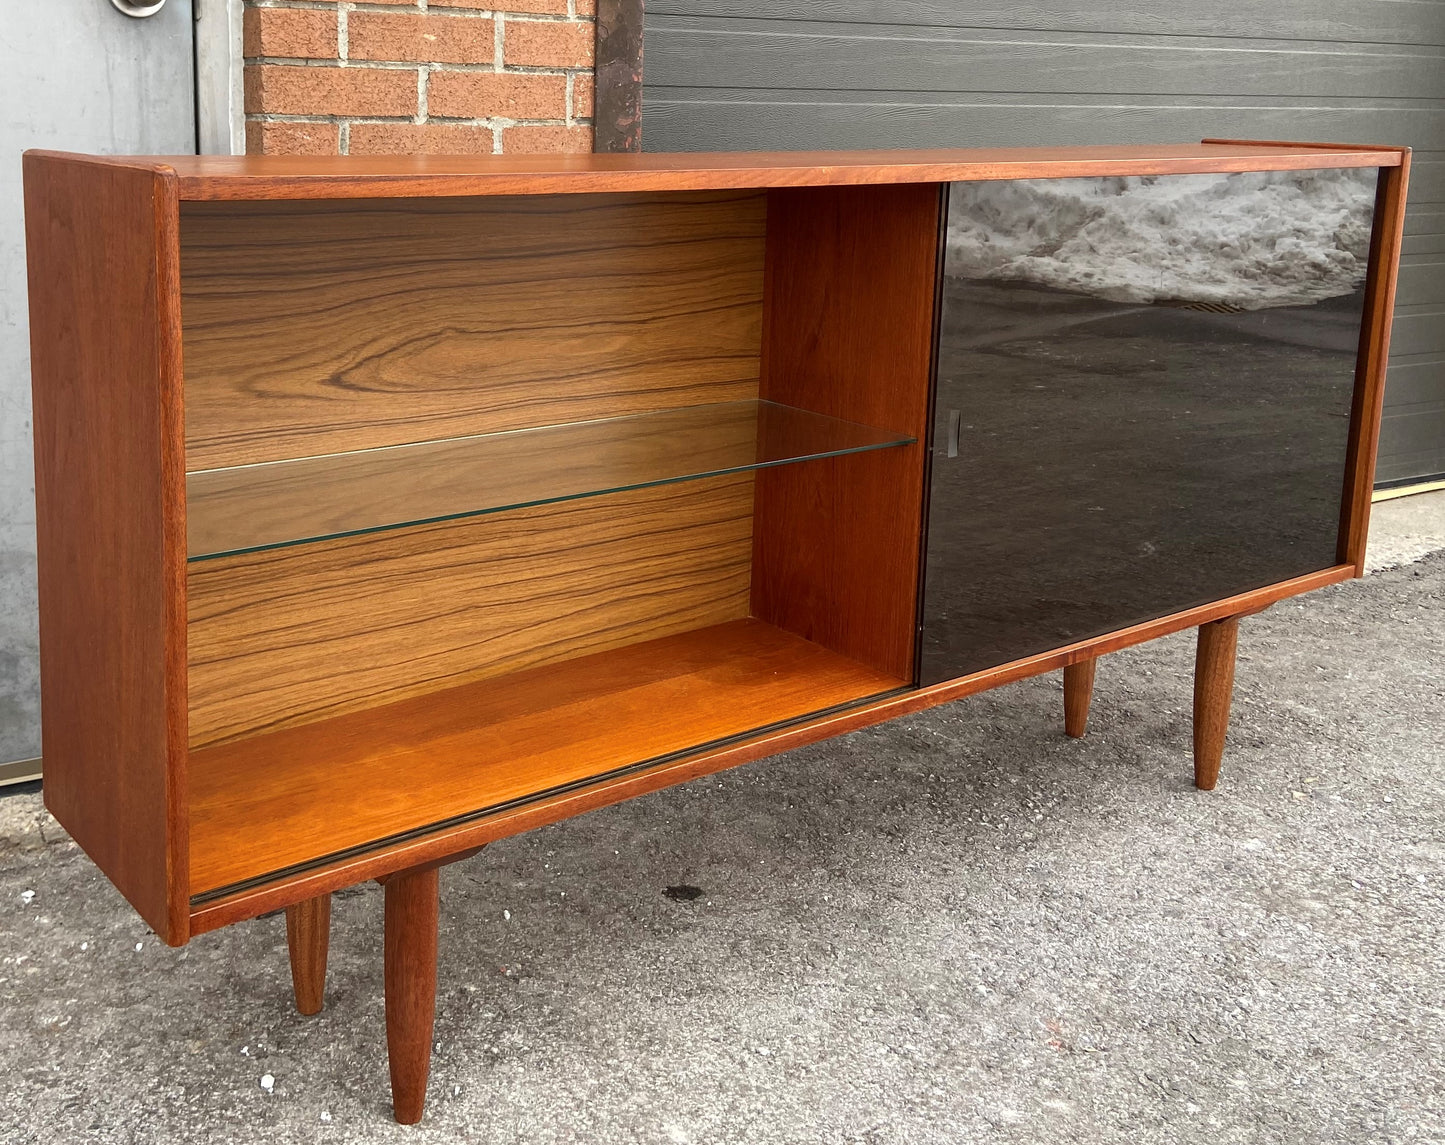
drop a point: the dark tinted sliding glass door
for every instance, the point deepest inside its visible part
(1144, 390)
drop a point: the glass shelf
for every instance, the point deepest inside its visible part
(247, 508)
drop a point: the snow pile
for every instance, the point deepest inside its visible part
(1253, 240)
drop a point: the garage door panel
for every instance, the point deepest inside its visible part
(1422, 281)
(1427, 184)
(1412, 435)
(786, 55)
(1348, 21)
(791, 121)
(1416, 379)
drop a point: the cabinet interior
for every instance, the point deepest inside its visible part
(491, 496)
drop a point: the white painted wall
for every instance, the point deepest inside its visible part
(75, 75)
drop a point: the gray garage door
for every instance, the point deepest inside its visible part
(788, 74)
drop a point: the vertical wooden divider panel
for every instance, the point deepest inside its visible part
(109, 466)
(848, 330)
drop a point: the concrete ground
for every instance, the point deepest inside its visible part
(961, 926)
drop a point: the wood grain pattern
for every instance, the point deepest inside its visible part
(1369, 397)
(294, 635)
(315, 328)
(253, 507)
(410, 956)
(1078, 694)
(105, 366)
(223, 178)
(451, 840)
(298, 795)
(226, 178)
(308, 939)
(848, 331)
(104, 240)
(1401, 153)
(1213, 691)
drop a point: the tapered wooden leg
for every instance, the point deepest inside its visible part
(411, 986)
(308, 934)
(1213, 689)
(1078, 691)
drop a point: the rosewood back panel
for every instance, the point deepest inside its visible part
(299, 634)
(315, 327)
(318, 327)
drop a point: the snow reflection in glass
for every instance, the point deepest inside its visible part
(1152, 379)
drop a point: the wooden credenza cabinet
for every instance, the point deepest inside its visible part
(390, 507)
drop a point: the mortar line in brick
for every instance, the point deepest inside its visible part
(294, 5)
(547, 18)
(569, 94)
(539, 70)
(343, 31)
(383, 9)
(290, 62)
(499, 43)
(441, 15)
(343, 137)
(490, 121)
(442, 121)
(484, 69)
(336, 65)
(287, 117)
(423, 75)
(473, 10)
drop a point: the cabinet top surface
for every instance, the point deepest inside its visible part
(224, 177)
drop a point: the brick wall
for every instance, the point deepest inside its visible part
(331, 77)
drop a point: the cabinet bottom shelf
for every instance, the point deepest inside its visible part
(266, 805)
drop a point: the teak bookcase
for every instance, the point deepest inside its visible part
(390, 507)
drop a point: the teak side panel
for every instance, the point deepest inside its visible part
(848, 331)
(105, 365)
(299, 634)
(1369, 399)
(302, 794)
(320, 327)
